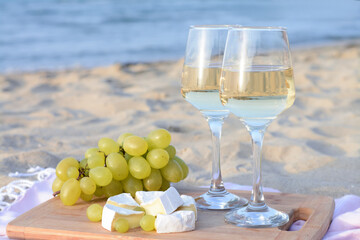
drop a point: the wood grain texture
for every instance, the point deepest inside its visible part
(52, 220)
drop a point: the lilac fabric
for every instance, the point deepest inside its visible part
(345, 224)
(38, 193)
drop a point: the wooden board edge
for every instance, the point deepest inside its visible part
(33, 233)
(13, 229)
(315, 231)
(327, 206)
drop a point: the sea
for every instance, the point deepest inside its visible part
(60, 34)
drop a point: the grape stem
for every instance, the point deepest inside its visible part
(56, 193)
(81, 173)
(121, 150)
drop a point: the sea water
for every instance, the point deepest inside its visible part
(56, 34)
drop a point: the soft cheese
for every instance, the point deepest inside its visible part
(144, 196)
(179, 221)
(111, 213)
(189, 204)
(155, 203)
(123, 200)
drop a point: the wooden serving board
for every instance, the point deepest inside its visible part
(52, 220)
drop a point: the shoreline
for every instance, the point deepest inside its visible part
(312, 148)
(295, 47)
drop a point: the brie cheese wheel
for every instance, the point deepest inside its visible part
(123, 200)
(189, 204)
(111, 213)
(164, 203)
(179, 221)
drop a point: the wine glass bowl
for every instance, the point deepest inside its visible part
(256, 86)
(200, 87)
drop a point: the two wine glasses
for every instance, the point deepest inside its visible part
(246, 71)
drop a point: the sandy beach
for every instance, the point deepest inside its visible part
(312, 148)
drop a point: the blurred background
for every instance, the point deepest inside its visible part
(58, 34)
(82, 86)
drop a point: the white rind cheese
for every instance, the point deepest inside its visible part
(143, 196)
(189, 204)
(174, 213)
(123, 200)
(111, 213)
(179, 221)
(164, 203)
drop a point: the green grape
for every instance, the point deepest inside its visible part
(107, 145)
(158, 158)
(165, 184)
(86, 197)
(90, 151)
(139, 167)
(122, 137)
(112, 189)
(132, 185)
(172, 171)
(135, 146)
(94, 152)
(87, 185)
(159, 138)
(63, 165)
(57, 184)
(83, 163)
(99, 192)
(139, 209)
(171, 151)
(118, 166)
(72, 172)
(94, 212)
(154, 181)
(121, 225)
(70, 192)
(147, 223)
(183, 166)
(127, 156)
(96, 161)
(101, 175)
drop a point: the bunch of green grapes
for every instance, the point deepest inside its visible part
(130, 164)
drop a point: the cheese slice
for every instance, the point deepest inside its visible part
(179, 221)
(123, 200)
(156, 203)
(144, 196)
(111, 213)
(189, 204)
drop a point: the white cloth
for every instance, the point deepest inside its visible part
(345, 224)
(39, 192)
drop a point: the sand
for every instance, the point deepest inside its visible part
(312, 148)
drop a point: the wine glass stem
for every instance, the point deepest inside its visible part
(257, 197)
(215, 124)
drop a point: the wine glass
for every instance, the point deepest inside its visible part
(200, 87)
(257, 85)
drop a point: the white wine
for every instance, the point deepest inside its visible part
(204, 100)
(200, 87)
(260, 93)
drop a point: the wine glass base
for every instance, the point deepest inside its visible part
(265, 218)
(219, 201)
